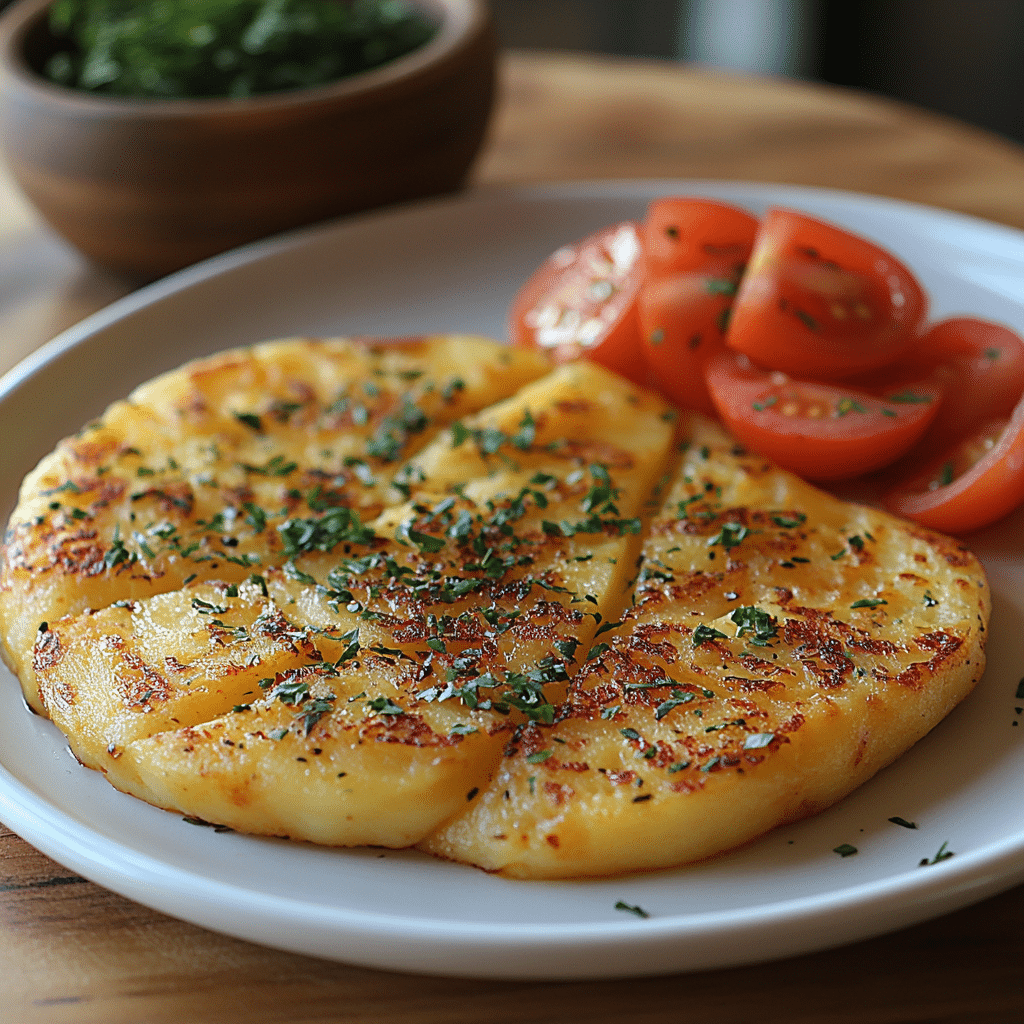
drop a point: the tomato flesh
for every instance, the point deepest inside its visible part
(819, 302)
(821, 431)
(687, 234)
(582, 302)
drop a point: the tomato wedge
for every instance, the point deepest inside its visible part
(695, 251)
(819, 302)
(683, 317)
(582, 301)
(982, 365)
(979, 480)
(821, 431)
(689, 234)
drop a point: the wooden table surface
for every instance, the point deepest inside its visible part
(73, 952)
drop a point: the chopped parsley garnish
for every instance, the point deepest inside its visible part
(869, 602)
(394, 431)
(897, 820)
(255, 516)
(259, 581)
(293, 572)
(847, 405)
(729, 536)
(117, 552)
(313, 711)
(384, 706)
(335, 526)
(452, 388)
(351, 649)
(808, 321)
(758, 740)
(290, 690)
(526, 434)
(632, 908)
(567, 648)
(943, 854)
(424, 541)
(251, 420)
(678, 697)
(278, 465)
(789, 520)
(754, 623)
(703, 634)
(720, 286)
(845, 850)
(908, 398)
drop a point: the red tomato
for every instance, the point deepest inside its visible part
(686, 234)
(683, 317)
(821, 431)
(819, 302)
(982, 365)
(582, 301)
(695, 251)
(975, 483)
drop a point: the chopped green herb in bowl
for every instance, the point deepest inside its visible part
(234, 48)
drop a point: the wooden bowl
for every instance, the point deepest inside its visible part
(146, 186)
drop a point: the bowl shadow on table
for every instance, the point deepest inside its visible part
(145, 187)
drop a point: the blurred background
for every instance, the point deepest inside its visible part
(959, 57)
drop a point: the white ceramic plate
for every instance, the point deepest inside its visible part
(450, 266)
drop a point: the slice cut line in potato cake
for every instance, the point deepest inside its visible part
(189, 478)
(432, 594)
(359, 690)
(781, 648)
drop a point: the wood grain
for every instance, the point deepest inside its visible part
(73, 952)
(580, 117)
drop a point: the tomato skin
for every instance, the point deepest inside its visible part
(982, 364)
(991, 486)
(682, 317)
(818, 430)
(582, 302)
(684, 234)
(695, 251)
(819, 302)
